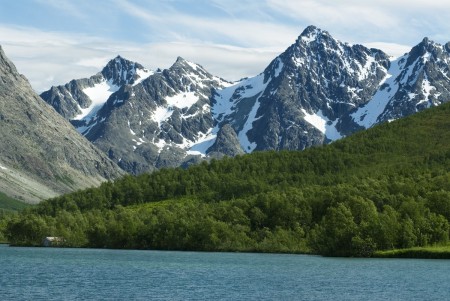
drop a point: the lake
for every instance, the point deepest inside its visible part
(96, 274)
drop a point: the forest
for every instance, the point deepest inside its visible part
(381, 189)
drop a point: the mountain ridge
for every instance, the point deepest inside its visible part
(315, 92)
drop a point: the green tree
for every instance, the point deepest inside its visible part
(333, 236)
(29, 229)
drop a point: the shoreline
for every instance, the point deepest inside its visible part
(442, 252)
(432, 252)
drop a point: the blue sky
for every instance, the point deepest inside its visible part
(54, 41)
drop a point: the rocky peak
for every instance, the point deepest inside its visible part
(121, 71)
(187, 76)
(421, 55)
(180, 60)
(183, 66)
(422, 49)
(312, 33)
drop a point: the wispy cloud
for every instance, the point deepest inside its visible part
(65, 6)
(179, 26)
(51, 58)
(368, 21)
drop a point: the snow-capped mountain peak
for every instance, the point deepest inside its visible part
(120, 71)
(80, 100)
(312, 34)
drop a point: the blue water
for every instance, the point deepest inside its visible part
(92, 274)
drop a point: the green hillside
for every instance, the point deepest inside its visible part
(9, 204)
(385, 188)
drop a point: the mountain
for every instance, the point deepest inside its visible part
(300, 97)
(153, 122)
(41, 154)
(317, 91)
(320, 90)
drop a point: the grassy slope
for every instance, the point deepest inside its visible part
(431, 252)
(10, 204)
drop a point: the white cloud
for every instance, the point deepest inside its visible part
(49, 58)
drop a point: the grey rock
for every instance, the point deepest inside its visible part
(226, 144)
(38, 145)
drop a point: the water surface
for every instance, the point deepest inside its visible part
(94, 274)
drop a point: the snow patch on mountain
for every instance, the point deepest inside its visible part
(84, 130)
(367, 69)
(427, 88)
(142, 75)
(405, 76)
(310, 34)
(201, 145)
(3, 168)
(160, 144)
(252, 86)
(243, 138)
(182, 100)
(224, 103)
(161, 114)
(323, 124)
(99, 94)
(368, 114)
(138, 142)
(227, 99)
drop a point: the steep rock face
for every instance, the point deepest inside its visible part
(41, 153)
(226, 143)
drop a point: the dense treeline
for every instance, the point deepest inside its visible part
(8, 208)
(380, 189)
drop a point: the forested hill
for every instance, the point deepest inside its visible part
(387, 187)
